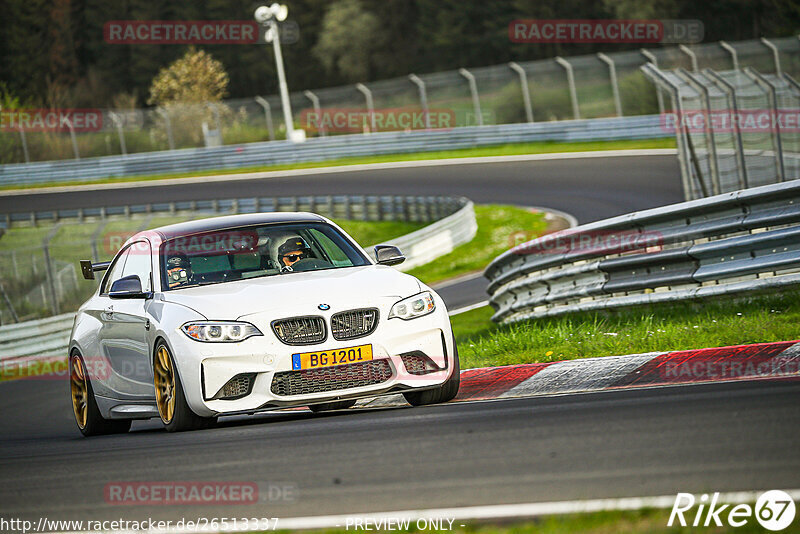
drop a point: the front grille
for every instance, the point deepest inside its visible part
(418, 363)
(300, 330)
(353, 375)
(354, 323)
(236, 387)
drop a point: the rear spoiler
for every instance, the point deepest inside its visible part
(88, 268)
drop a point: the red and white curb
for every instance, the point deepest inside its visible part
(720, 364)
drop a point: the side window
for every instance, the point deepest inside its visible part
(115, 271)
(139, 263)
(336, 254)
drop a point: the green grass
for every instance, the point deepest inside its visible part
(718, 323)
(499, 228)
(374, 233)
(634, 521)
(544, 147)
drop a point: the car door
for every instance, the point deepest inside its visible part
(124, 336)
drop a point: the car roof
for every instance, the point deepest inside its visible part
(234, 221)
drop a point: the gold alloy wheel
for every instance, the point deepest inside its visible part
(80, 392)
(165, 385)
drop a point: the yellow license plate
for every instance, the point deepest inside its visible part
(328, 358)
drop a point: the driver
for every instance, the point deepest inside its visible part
(293, 250)
(179, 270)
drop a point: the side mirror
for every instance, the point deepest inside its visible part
(388, 255)
(129, 287)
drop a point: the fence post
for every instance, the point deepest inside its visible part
(716, 186)
(168, 124)
(24, 145)
(72, 137)
(267, 116)
(49, 269)
(118, 123)
(612, 73)
(473, 91)
(773, 100)
(692, 56)
(364, 90)
(651, 57)
(573, 92)
(8, 304)
(732, 51)
(775, 54)
(315, 102)
(526, 95)
(423, 98)
(730, 91)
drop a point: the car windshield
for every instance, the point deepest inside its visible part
(254, 251)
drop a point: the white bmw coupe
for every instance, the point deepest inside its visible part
(246, 313)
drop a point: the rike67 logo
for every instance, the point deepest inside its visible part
(774, 510)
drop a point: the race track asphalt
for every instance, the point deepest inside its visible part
(717, 437)
(587, 188)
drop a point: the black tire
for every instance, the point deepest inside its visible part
(95, 424)
(182, 417)
(336, 405)
(444, 393)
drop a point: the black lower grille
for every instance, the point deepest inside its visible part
(418, 363)
(287, 383)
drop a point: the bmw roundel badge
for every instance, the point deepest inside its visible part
(324, 307)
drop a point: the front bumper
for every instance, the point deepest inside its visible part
(207, 367)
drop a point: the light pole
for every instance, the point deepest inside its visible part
(270, 17)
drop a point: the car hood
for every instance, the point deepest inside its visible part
(232, 300)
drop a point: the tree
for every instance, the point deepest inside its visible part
(185, 89)
(348, 40)
(196, 77)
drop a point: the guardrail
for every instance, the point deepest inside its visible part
(737, 242)
(326, 148)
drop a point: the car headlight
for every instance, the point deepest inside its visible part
(220, 331)
(413, 307)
